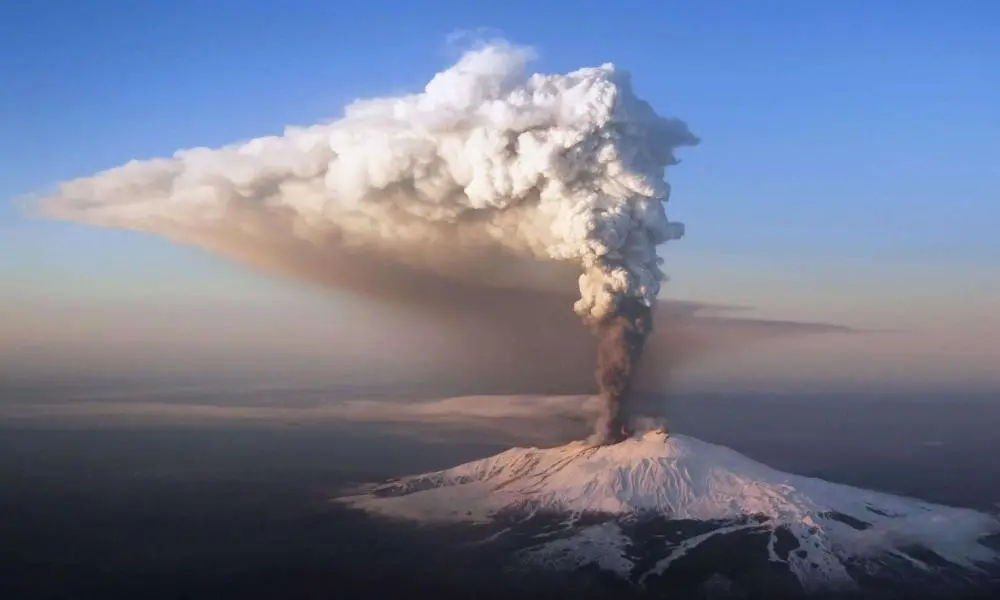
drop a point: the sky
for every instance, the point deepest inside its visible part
(846, 172)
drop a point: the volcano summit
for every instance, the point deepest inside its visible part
(670, 510)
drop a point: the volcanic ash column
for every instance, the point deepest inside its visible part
(485, 161)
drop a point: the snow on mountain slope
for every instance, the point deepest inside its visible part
(682, 478)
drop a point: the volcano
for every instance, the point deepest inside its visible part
(662, 509)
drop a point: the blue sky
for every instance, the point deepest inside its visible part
(847, 168)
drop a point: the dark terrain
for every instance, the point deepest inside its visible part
(243, 512)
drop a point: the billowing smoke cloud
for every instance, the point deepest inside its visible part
(487, 180)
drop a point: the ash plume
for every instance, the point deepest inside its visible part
(487, 180)
(622, 337)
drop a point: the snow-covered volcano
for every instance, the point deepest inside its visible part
(654, 501)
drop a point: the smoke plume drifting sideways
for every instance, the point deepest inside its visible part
(476, 183)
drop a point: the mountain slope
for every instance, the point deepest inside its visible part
(823, 533)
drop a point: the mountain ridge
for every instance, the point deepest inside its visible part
(676, 478)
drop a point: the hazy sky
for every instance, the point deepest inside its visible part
(847, 172)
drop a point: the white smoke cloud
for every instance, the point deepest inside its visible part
(485, 161)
